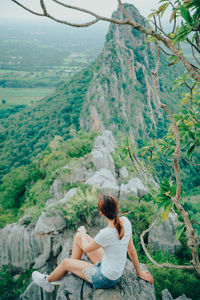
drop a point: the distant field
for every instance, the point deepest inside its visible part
(20, 96)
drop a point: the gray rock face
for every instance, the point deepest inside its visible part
(24, 246)
(130, 287)
(123, 173)
(167, 296)
(79, 170)
(134, 187)
(100, 155)
(163, 236)
(34, 292)
(20, 247)
(50, 221)
(62, 201)
(55, 189)
(105, 182)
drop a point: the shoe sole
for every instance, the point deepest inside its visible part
(59, 282)
(35, 280)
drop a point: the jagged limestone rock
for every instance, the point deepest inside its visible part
(126, 190)
(34, 292)
(52, 220)
(105, 182)
(101, 152)
(64, 200)
(123, 173)
(79, 170)
(55, 189)
(162, 236)
(134, 187)
(25, 246)
(122, 89)
(25, 220)
(167, 296)
(20, 247)
(130, 287)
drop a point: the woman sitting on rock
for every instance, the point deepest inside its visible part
(107, 252)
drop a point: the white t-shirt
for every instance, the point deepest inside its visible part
(115, 250)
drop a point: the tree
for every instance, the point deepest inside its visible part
(187, 30)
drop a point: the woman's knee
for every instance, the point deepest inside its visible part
(77, 238)
(65, 263)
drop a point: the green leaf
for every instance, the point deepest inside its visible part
(150, 39)
(189, 152)
(185, 14)
(179, 231)
(172, 16)
(154, 12)
(162, 8)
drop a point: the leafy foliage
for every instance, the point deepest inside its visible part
(178, 282)
(140, 212)
(25, 189)
(80, 208)
(11, 288)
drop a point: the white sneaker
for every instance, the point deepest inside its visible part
(41, 280)
(57, 282)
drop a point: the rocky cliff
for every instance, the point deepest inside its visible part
(121, 95)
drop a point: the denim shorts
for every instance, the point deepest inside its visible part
(98, 280)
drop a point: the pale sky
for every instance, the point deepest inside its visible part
(9, 10)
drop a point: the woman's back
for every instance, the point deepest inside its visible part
(115, 250)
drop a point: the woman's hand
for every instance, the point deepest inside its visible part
(81, 229)
(145, 275)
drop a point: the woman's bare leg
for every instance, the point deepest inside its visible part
(95, 256)
(75, 266)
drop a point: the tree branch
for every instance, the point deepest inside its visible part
(194, 55)
(123, 10)
(192, 245)
(192, 44)
(91, 13)
(26, 8)
(165, 52)
(163, 265)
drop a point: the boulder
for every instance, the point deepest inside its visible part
(24, 246)
(101, 152)
(134, 187)
(167, 296)
(79, 170)
(20, 247)
(25, 220)
(163, 237)
(105, 182)
(55, 189)
(52, 220)
(130, 287)
(105, 140)
(127, 190)
(123, 173)
(62, 201)
(34, 292)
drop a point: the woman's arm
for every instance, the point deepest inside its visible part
(87, 246)
(134, 258)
